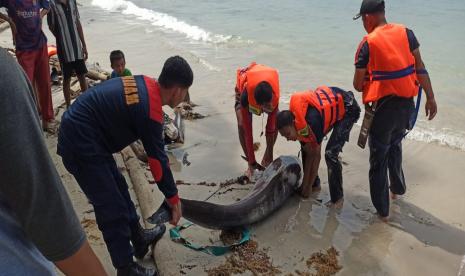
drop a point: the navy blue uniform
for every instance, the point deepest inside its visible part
(103, 121)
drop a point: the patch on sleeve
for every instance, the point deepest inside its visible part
(131, 92)
(156, 169)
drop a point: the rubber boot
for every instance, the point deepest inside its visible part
(143, 238)
(135, 269)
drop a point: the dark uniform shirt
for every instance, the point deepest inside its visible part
(108, 117)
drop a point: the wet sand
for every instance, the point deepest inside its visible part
(426, 235)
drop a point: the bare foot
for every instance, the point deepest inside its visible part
(394, 196)
(384, 219)
(51, 126)
(336, 205)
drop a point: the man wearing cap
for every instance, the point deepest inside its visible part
(389, 71)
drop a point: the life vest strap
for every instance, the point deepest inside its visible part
(391, 75)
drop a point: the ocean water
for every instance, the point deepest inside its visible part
(311, 43)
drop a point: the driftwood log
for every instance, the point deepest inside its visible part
(3, 26)
(139, 151)
(95, 75)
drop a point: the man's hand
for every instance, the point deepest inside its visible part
(176, 213)
(252, 168)
(84, 52)
(267, 159)
(431, 108)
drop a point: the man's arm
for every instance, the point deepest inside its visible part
(51, 21)
(361, 62)
(81, 34)
(247, 126)
(312, 163)
(271, 135)
(45, 5)
(83, 262)
(152, 139)
(43, 12)
(359, 78)
(425, 82)
(12, 26)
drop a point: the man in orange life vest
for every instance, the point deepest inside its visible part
(311, 116)
(257, 91)
(389, 70)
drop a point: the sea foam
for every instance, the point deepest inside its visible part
(162, 20)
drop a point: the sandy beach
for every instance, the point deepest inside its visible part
(426, 234)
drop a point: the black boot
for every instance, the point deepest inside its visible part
(143, 238)
(135, 269)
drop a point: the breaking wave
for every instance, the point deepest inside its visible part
(162, 20)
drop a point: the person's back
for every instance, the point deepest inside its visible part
(38, 222)
(103, 120)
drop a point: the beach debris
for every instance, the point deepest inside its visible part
(187, 113)
(242, 180)
(188, 266)
(256, 146)
(232, 189)
(96, 75)
(88, 223)
(325, 264)
(301, 273)
(229, 237)
(89, 211)
(185, 162)
(93, 237)
(246, 257)
(181, 182)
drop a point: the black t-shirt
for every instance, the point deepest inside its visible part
(364, 54)
(244, 99)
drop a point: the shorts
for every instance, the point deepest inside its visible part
(78, 66)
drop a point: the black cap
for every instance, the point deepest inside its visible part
(370, 6)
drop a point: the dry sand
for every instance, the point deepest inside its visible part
(426, 235)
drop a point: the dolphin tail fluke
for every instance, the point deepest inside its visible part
(162, 215)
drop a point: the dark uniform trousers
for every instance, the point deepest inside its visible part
(385, 141)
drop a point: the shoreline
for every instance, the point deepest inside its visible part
(425, 237)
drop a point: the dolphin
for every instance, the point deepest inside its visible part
(277, 183)
(179, 123)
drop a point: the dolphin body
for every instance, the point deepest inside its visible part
(277, 183)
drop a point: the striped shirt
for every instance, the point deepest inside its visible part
(62, 21)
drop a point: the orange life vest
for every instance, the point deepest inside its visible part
(52, 50)
(328, 103)
(248, 78)
(391, 66)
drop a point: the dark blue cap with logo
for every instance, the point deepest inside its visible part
(370, 6)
